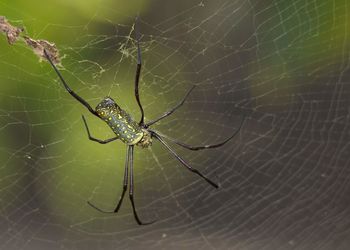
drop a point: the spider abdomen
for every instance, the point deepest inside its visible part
(119, 121)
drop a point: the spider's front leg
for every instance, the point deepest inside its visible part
(131, 190)
(208, 146)
(129, 162)
(125, 186)
(182, 161)
(94, 139)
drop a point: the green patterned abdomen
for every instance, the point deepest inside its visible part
(119, 121)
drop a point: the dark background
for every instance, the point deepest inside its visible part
(284, 178)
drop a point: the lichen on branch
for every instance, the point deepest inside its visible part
(13, 35)
(39, 46)
(12, 32)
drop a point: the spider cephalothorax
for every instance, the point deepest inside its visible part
(133, 133)
(146, 140)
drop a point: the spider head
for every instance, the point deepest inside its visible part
(105, 106)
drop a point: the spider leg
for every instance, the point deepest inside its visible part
(131, 190)
(125, 186)
(138, 72)
(169, 112)
(190, 147)
(71, 92)
(183, 162)
(125, 181)
(94, 139)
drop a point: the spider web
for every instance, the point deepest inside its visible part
(284, 179)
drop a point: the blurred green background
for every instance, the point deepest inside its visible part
(282, 64)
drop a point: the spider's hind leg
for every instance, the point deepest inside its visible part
(138, 72)
(69, 90)
(172, 110)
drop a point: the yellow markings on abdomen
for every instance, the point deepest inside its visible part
(123, 126)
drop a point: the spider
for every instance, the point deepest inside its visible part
(134, 133)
